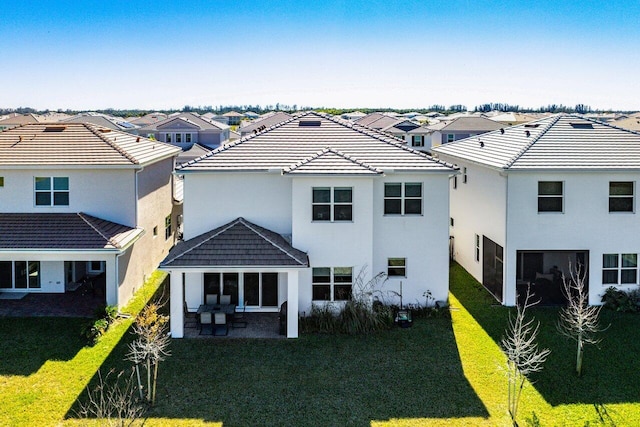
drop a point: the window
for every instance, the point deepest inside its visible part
(167, 227)
(451, 222)
(477, 251)
(464, 175)
(167, 137)
(187, 137)
(1, 181)
(261, 289)
(403, 198)
(620, 196)
(95, 266)
(397, 267)
(332, 204)
(326, 289)
(400, 137)
(51, 191)
(454, 182)
(550, 196)
(155, 231)
(178, 137)
(417, 141)
(619, 269)
(26, 274)
(450, 137)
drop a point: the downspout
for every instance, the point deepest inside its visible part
(505, 255)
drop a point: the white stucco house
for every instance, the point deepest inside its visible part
(79, 200)
(293, 213)
(535, 198)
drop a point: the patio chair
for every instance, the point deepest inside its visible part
(225, 299)
(220, 323)
(238, 320)
(205, 323)
(190, 319)
(211, 299)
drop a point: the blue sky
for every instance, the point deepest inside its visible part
(399, 54)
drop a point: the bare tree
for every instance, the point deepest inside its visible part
(112, 403)
(578, 320)
(523, 355)
(149, 348)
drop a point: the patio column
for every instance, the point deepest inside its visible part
(176, 299)
(292, 304)
(111, 281)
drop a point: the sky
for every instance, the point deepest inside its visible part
(163, 54)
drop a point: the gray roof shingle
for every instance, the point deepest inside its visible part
(238, 243)
(62, 231)
(563, 141)
(295, 140)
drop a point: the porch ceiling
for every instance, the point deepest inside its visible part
(239, 243)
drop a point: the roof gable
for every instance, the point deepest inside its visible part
(331, 161)
(178, 123)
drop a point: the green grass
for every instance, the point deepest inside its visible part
(442, 372)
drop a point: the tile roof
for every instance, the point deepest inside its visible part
(197, 120)
(71, 144)
(238, 243)
(62, 231)
(267, 120)
(301, 137)
(462, 124)
(563, 141)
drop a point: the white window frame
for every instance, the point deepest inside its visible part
(620, 268)
(52, 191)
(332, 204)
(631, 196)
(551, 196)
(332, 283)
(403, 198)
(397, 267)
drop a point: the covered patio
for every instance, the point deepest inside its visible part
(256, 268)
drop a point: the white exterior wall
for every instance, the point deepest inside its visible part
(332, 244)
(585, 224)
(477, 207)
(106, 193)
(216, 199)
(422, 239)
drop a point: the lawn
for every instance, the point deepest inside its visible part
(442, 372)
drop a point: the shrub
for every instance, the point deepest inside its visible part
(94, 329)
(618, 300)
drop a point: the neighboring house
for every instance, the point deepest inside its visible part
(147, 119)
(414, 135)
(264, 122)
(102, 120)
(631, 122)
(77, 200)
(534, 201)
(15, 119)
(296, 212)
(234, 117)
(460, 128)
(353, 115)
(186, 129)
(512, 119)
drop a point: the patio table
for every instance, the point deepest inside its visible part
(212, 308)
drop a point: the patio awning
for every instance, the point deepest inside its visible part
(63, 231)
(239, 243)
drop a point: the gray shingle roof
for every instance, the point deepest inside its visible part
(236, 244)
(62, 231)
(66, 144)
(283, 146)
(564, 141)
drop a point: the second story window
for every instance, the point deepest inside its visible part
(550, 196)
(167, 227)
(51, 191)
(450, 137)
(621, 196)
(187, 137)
(417, 141)
(178, 138)
(403, 198)
(332, 204)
